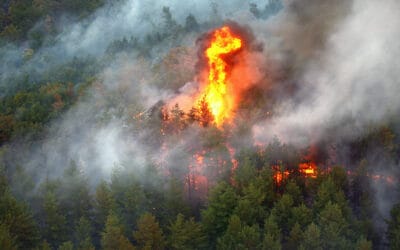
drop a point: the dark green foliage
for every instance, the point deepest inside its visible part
(245, 214)
(312, 238)
(6, 240)
(83, 234)
(270, 9)
(363, 244)
(55, 229)
(27, 112)
(186, 234)
(393, 232)
(75, 199)
(250, 207)
(191, 23)
(17, 227)
(245, 173)
(162, 208)
(112, 236)
(329, 192)
(66, 246)
(149, 234)
(103, 203)
(221, 204)
(334, 228)
(17, 17)
(272, 234)
(295, 237)
(239, 236)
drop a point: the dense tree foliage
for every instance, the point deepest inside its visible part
(17, 17)
(233, 204)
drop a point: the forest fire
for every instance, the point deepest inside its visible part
(216, 93)
(279, 175)
(309, 169)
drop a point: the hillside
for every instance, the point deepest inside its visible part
(199, 125)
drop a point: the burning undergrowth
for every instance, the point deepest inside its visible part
(290, 101)
(238, 86)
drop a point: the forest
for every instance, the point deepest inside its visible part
(106, 143)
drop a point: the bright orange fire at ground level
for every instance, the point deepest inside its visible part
(216, 94)
(279, 176)
(309, 169)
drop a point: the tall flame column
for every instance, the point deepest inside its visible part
(223, 42)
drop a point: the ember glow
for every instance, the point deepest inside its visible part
(309, 169)
(279, 174)
(216, 93)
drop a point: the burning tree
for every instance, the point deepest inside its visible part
(216, 93)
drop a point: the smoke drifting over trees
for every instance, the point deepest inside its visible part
(103, 133)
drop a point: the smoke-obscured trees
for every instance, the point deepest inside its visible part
(149, 234)
(113, 235)
(17, 226)
(393, 232)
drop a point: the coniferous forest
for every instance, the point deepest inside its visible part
(199, 125)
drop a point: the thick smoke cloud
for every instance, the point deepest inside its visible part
(345, 64)
(98, 133)
(92, 36)
(354, 75)
(340, 57)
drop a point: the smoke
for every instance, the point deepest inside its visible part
(343, 58)
(106, 128)
(354, 76)
(91, 36)
(328, 70)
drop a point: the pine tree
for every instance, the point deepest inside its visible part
(45, 245)
(17, 224)
(66, 246)
(174, 199)
(239, 236)
(333, 227)
(328, 192)
(282, 212)
(250, 207)
(75, 198)
(272, 234)
(149, 234)
(112, 237)
(55, 223)
(103, 203)
(245, 172)
(6, 240)
(301, 215)
(312, 238)
(363, 244)
(205, 115)
(222, 201)
(295, 237)
(393, 231)
(178, 122)
(230, 239)
(191, 23)
(186, 234)
(83, 233)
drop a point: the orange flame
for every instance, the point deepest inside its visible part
(220, 103)
(279, 174)
(309, 169)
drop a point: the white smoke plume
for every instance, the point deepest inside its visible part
(355, 75)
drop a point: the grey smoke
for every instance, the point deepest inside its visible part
(341, 55)
(348, 77)
(354, 76)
